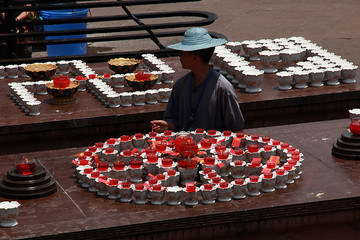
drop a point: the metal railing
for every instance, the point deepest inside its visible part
(139, 30)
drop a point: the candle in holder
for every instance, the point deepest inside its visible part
(152, 134)
(220, 147)
(167, 162)
(103, 166)
(223, 155)
(160, 146)
(267, 147)
(209, 160)
(199, 130)
(135, 164)
(139, 136)
(152, 158)
(205, 143)
(208, 186)
(227, 133)
(255, 137)
(119, 165)
(253, 148)
(26, 166)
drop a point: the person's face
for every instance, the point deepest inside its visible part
(187, 59)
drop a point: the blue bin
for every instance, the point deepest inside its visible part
(65, 49)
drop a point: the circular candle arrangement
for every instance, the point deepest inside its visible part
(187, 167)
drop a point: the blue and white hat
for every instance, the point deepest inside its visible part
(197, 38)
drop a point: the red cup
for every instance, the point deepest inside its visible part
(171, 172)
(268, 175)
(239, 181)
(223, 155)
(295, 157)
(156, 187)
(190, 188)
(211, 175)
(220, 147)
(296, 152)
(284, 145)
(208, 186)
(224, 184)
(95, 174)
(109, 150)
(127, 152)
(88, 153)
(199, 130)
(107, 75)
(159, 138)
(238, 163)
(26, 167)
(240, 135)
(211, 132)
(152, 158)
(290, 149)
(256, 162)
(113, 182)
(254, 178)
(253, 148)
(102, 166)
(267, 147)
(135, 164)
(216, 180)
(213, 140)
(83, 162)
(227, 133)
(167, 162)
(88, 170)
(124, 138)
(167, 133)
(92, 76)
(280, 171)
(99, 145)
(139, 187)
(139, 136)
(82, 157)
(103, 177)
(119, 165)
(292, 162)
(125, 185)
(209, 160)
(270, 165)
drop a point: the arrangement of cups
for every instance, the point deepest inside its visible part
(23, 95)
(142, 168)
(159, 67)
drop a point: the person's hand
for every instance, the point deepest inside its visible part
(159, 125)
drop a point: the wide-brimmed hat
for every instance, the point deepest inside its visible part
(196, 39)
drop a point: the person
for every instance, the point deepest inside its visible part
(202, 98)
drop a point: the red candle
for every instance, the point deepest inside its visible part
(93, 149)
(167, 133)
(153, 181)
(280, 171)
(220, 147)
(61, 82)
(92, 76)
(224, 184)
(211, 175)
(107, 75)
(190, 188)
(256, 162)
(83, 162)
(276, 142)
(160, 146)
(111, 141)
(212, 132)
(135, 164)
(239, 151)
(88, 170)
(253, 148)
(88, 153)
(287, 167)
(292, 162)
(150, 150)
(102, 166)
(209, 160)
(255, 137)
(355, 127)
(152, 158)
(156, 187)
(207, 170)
(268, 175)
(171, 172)
(223, 155)
(254, 178)
(103, 177)
(167, 162)
(205, 143)
(139, 136)
(26, 167)
(125, 185)
(99, 145)
(208, 186)
(95, 174)
(284, 145)
(109, 150)
(213, 140)
(240, 135)
(266, 139)
(199, 130)
(139, 187)
(227, 133)
(267, 147)
(239, 181)
(295, 157)
(270, 165)
(160, 177)
(119, 165)
(113, 182)
(124, 138)
(152, 134)
(216, 180)
(127, 152)
(238, 163)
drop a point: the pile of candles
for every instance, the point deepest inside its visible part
(187, 167)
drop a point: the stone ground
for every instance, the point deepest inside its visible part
(332, 24)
